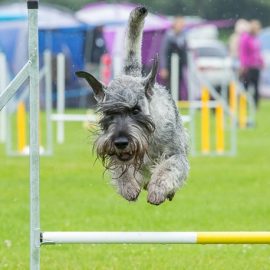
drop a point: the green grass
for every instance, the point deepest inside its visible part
(222, 193)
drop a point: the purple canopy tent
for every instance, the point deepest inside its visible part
(114, 18)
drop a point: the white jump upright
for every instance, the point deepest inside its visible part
(3, 84)
(31, 71)
(48, 99)
(60, 96)
(32, 6)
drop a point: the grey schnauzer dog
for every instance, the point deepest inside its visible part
(142, 141)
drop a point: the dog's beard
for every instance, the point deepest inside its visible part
(132, 156)
(138, 129)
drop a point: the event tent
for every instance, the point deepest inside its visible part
(113, 17)
(59, 31)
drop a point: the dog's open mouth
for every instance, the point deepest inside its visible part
(125, 156)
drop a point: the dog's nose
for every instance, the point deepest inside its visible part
(121, 142)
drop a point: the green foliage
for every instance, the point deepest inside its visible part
(222, 193)
(209, 9)
(214, 9)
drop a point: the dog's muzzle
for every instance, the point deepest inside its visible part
(121, 144)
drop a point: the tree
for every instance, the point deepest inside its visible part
(209, 9)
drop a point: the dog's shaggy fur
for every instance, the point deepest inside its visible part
(142, 140)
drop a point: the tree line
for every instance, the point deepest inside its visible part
(209, 9)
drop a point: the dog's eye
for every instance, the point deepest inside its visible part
(110, 117)
(136, 111)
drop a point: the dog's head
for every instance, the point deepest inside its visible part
(126, 125)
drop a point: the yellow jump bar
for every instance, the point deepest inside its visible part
(233, 238)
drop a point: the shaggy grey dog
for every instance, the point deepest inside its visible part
(142, 141)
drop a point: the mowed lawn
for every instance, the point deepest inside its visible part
(222, 193)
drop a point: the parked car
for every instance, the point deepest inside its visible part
(212, 60)
(265, 74)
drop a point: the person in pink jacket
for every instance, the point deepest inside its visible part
(251, 61)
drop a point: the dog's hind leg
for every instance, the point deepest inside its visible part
(167, 177)
(128, 184)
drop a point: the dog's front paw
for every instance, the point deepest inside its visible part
(156, 195)
(170, 196)
(130, 191)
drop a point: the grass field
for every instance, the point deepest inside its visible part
(222, 193)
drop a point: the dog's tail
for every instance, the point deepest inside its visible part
(133, 42)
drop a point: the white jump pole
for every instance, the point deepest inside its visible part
(3, 84)
(116, 237)
(74, 118)
(155, 238)
(175, 76)
(60, 96)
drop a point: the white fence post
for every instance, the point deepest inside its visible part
(60, 96)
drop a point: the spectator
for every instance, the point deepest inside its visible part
(174, 42)
(241, 26)
(95, 47)
(250, 58)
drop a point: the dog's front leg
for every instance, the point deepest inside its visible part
(128, 184)
(167, 177)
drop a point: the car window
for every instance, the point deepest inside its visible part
(210, 52)
(265, 40)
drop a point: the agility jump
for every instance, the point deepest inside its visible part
(17, 140)
(36, 236)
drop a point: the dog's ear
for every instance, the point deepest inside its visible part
(96, 85)
(151, 78)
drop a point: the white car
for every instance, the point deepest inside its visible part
(265, 74)
(212, 60)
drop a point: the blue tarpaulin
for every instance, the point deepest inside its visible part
(59, 31)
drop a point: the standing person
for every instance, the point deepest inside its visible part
(95, 48)
(174, 42)
(251, 61)
(241, 27)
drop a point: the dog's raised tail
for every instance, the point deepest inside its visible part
(133, 42)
